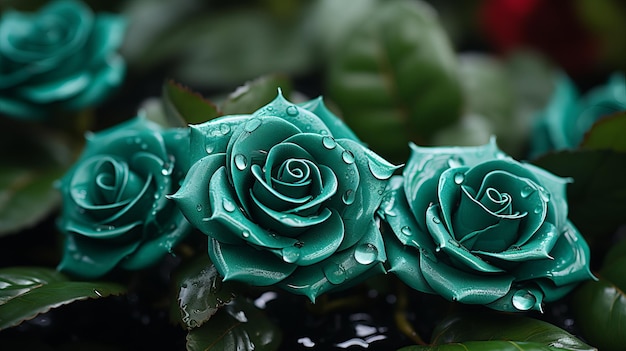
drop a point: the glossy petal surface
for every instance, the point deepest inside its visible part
(476, 226)
(287, 196)
(115, 210)
(63, 55)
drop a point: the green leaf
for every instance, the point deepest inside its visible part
(497, 345)
(607, 134)
(200, 292)
(600, 306)
(396, 78)
(491, 326)
(32, 159)
(255, 94)
(238, 326)
(26, 292)
(183, 106)
(597, 197)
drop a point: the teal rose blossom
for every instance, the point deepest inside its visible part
(287, 196)
(63, 56)
(568, 116)
(476, 226)
(115, 211)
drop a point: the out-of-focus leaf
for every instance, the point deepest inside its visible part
(470, 130)
(597, 196)
(200, 293)
(490, 326)
(222, 49)
(26, 292)
(395, 79)
(182, 104)
(31, 160)
(607, 134)
(497, 345)
(600, 306)
(255, 94)
(237, 326)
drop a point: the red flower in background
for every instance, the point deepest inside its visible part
(551, 27)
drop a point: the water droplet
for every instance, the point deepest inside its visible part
(405, 230)
(241, 162)
(291, 254)
(329, 142)
(366, 253)
(167, 169)
(144, 146)
(459, 178)
(523, 300)
(380, 171)
(252, 125)
(347, 156)
(245, 234)
(228, 205)
(438, 249)
(224, 129)
(137, 140)
(292, 111)
(97, 292)
(436, 220)
(526, 191)
(199, 207)
(335, 273)
(210, 147)
(348, 197)
(538, 209)
(454, 162)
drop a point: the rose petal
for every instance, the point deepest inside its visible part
(451, 247)
(98, 231)
(102, 82)
(456, 285)
(212, 137)
(404, 262)
(329, 182)
(226, 212)
(338, 129)
(271, 196)
(60, 89)
(245, 264)
(316, 244)
(253, 137)
(523, 298)
(539, 247)
(87, 260)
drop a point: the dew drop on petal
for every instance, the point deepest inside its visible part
(245, 234)
(210, 147)
(365, 253)
(379, 171)
(348, 197)
(199, 207)
(459, 178)
(405, 230)
(291, 254)
(526, 191)
(436, 220)
(252, 125)
(241, 162)
(292, 111)
(329, 143)
(544, 194)
(347, 156)
(538, 209)
(335, 273)
(224, 129)
(228, 205)
(523, 300)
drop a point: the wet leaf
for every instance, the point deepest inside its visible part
(607, 134)
(200, 293)
(183, 106)
(237, 326)
(255, 94)
(600, 306)
(597, 197)
(396, 79)
(491, 326)
(31, 160)
(26, 292)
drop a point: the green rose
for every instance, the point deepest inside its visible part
(62, 56)
(568, 116)
(115, 210)
(476, 226)
(287, 196)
